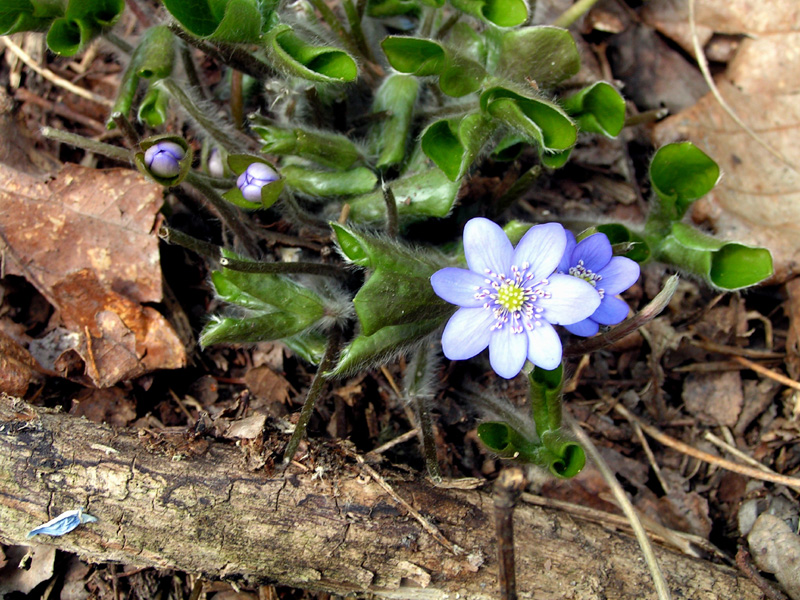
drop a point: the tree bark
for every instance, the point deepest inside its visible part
(331, 529)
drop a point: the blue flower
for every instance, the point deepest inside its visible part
(511, 298)
(592, 260)
(255, 177)
(63, 523)
(163, 159)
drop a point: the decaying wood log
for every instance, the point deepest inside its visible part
(332, 528)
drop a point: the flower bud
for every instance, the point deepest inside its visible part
(163, 159)
(216, 167)
(255, 177)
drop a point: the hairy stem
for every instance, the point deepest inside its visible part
(307, 268)
(173, 236)
(115, 152)
(314, 392)
(229, 214)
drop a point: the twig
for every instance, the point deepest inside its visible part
(400, 439)
(702, 62)
(24, 95)
(736, 452)
(629, 325)
(619, 494)
(650, 456)
(735, 350)
(426, 525)
(654, 433)
(767, 372)
(52, 77)
(314, 392)
(507, 489)
(743, 562)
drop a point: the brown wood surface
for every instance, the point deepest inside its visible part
(334, 529)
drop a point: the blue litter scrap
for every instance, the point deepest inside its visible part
(63, 523)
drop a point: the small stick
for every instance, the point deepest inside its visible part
(61, 110)
(314, 392)
(654, 433)
(507, 490)
(737, 453)
(625, 504)
(52, 77)
(637, 429)
(735, 350)
(767, 372)
(400, 439)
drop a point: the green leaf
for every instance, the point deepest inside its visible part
(236, 21)
(261, 328)
(724, 265)
(153, 108)
(391, 8)
(373, 251)
(420, 196)
(550, 56)
(329, 149)
(681, 173)
(619, 234)
(308, 345)
(453, 144)
(536, 120)
(415, 56)
(153, 59)
(82, 21)
(509, 148)
(396, 97)
(327, 184)
(390, 298)
(302, 59)
(470, 44)
(366, 352)
(24, 15)
(462, 76)
(503, 13)
(562, 457)
(598, 108)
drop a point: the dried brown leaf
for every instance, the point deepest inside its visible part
(84, 218)
(268, 385)
(758, 199)
(120, 339)
(17, 367)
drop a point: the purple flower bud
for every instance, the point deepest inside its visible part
(255, 177)
(163, 159)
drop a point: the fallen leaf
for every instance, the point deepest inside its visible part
(266, 384)
(758, 199)
(714, 398)
(776, 549)
(17, 367)
(248, 428)
(112, 406)
(119, 339)
(84, 218)
(27, 567)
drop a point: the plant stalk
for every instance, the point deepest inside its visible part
(308, 268)
(115, 152)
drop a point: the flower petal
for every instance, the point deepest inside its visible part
(566, 260)
(542, 248)
(486, 246)
(458, 286)
(611, 311)
(507, 352)
(585, 328)
(571, 300)
(544, 346)
(467, 333)
(594, 251)
(620, 274)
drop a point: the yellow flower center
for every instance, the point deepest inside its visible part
(510, 297)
